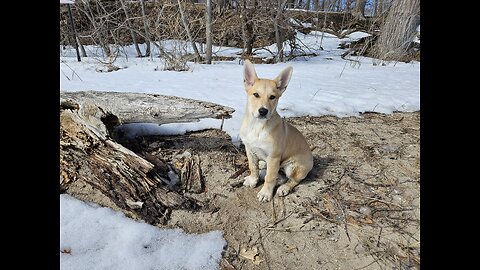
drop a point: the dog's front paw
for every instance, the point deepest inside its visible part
(283, 190)
(250, 181)
(265, 194)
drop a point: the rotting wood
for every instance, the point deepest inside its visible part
(94, 167)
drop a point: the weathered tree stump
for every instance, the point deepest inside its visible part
(94, 167)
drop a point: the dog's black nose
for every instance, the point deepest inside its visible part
(262, 111)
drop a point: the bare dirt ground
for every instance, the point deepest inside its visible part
(359, 208)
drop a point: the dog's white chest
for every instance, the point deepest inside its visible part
(258, 141)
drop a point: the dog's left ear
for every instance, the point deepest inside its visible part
(283, 78)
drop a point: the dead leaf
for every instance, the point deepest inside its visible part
(251, 254)
(367, 220)
(329, 205)
(66, 250)
(351, 220)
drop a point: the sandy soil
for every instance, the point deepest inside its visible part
(359, 208)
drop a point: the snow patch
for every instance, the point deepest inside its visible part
(94, 237)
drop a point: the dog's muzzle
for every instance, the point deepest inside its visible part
(262, 112)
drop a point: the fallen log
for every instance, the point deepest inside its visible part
(94, 167)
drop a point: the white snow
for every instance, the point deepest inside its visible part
(99, 238)
(326, 84)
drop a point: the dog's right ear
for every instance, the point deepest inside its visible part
(249, 74)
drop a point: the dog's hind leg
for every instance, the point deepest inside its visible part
(295, 174)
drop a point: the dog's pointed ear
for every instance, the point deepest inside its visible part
(249, 74)
(283, 79)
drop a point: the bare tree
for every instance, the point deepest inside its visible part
(130, 26)
(348, 4)
(187, 29)
(146, 28)
(359, 11)
(279, 37)
(248, 35)
(99, 32)
(399, 29)
(83, 53)
(377, 7)
(208, 34)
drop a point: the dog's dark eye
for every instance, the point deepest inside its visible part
(272, 97)
(256, 95)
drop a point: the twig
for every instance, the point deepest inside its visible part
(65, 75)
(238, 173)
(237, 184)
(274, 216)
(263, 48)
(284, 209)
(326, 218)
(292, 231)
(344, 220)
(382, 201)
(263, 247)
(73, 71)
(342, 69)
(242, 264)
(374, 261)
(332, 185)
(316, 93)
(374, 129)
(278, 221)
(380, 233)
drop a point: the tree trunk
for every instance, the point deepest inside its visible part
(147, 29)
(359, 11)
(130, 28)
(380, 7)
(83, 53)
(73, 32)
(248, 35)
(94, 167)
(208, 28)
(278, 31)
(347, 6)
(399, 30)
(187, 29)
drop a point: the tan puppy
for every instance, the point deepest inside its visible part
(268, 137)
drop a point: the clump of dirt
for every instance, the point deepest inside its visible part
(359, 208)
